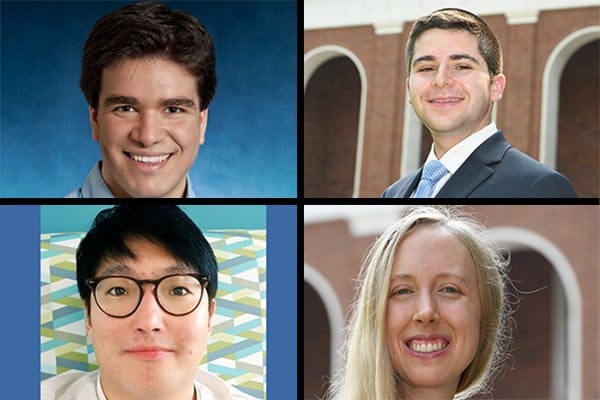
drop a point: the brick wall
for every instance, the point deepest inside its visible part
(526, 50)
(330, 248)
(331, 107)
(579, 121)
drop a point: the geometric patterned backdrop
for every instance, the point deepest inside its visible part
(237, 346)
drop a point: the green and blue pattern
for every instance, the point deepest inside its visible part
(237, 346)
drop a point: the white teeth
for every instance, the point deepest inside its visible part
(446, 101)
(153, 159)
(427, 347)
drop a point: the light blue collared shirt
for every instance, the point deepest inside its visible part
(95, 187)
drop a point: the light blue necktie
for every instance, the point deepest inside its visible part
(432, 172)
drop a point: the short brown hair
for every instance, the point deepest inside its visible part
(457, 19)
(143, 30)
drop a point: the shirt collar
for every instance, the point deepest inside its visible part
(95, 187)
(457, 155)
(101, 396)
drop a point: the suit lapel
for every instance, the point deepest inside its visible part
(405, 186)
(466, 179)
(476, 168)
(411, 184)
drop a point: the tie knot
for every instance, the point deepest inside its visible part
(433, 171)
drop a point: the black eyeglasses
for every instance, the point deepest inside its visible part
(120, 296)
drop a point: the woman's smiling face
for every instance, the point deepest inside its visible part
(433, 312)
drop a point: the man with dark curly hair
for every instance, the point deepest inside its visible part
(148, 75)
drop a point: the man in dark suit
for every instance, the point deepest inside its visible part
(455, 75)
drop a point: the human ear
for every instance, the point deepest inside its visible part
(498, 85)
(94, 122)
(211, 312)
(88, 320)
(203, 123)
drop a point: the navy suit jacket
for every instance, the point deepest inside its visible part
(494, 169)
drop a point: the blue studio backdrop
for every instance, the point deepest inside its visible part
(46, 149)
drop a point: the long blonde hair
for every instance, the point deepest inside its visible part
(368, 372)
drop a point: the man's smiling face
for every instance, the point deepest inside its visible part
(449, 85)
(149, 127)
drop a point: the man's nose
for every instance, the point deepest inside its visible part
(148, 129)
(443, 77)
(149, 315)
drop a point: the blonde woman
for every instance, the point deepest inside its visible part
(429, 318)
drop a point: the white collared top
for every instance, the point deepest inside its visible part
(77, 385)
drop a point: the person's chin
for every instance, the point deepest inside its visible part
(147, 185)
(444, 131)
(158, 183)
(148, 193)
(428, 378)
(437, 122)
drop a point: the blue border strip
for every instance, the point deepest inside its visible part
(282, 267)
(20, 298)
(19, 238)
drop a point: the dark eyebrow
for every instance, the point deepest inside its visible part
(463, 56)
(423, 58)
(453, 57)
(117, 99)
(129, 100)
(178, 102)
(117, 269)
(122, 269)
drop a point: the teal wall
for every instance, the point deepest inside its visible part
(78, 218)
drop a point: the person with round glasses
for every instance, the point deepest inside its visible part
(119, 296)
(148, 280)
